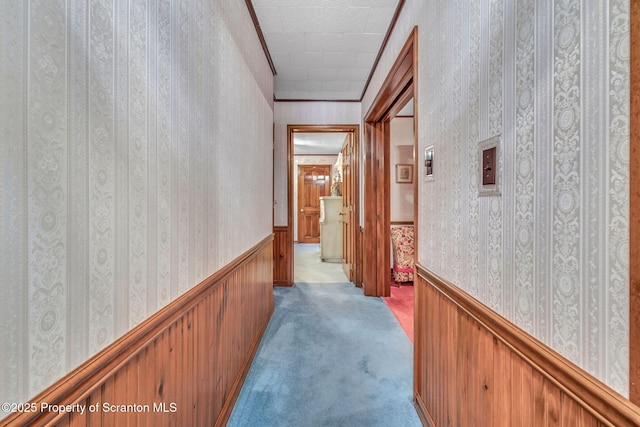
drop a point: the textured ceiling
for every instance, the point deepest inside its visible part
(318, 142)
(323, 49)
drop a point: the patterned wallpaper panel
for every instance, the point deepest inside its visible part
(135, 135)
(550, 252)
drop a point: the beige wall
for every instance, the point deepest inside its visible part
(401, 152)
(550, 253)
(135, 163)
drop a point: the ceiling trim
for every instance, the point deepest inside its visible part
(316, 100)
(256, 24)
(263, 42)
(382, 47)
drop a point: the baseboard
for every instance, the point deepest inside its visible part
(421, 409)
(474, 367)
(184, 365)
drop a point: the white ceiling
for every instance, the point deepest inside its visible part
(323, 49)
(318, 142)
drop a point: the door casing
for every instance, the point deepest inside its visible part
(354, 130)
(399, 87)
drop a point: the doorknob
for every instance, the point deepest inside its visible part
(301, 210)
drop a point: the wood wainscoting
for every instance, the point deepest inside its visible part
(282, 256)
(187, 362)
(475, 368)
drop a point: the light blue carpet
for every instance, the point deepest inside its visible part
(329, 357)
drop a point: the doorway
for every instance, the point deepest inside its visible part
(314, 181)
(349, 185)
(397, 90)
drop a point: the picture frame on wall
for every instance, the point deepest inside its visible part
(404, 174)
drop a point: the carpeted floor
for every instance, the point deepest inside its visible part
(309, 268)
(329, 357)
(401, 305)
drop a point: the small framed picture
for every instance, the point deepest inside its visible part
(404, 173)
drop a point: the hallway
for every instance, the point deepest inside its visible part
(328, 357)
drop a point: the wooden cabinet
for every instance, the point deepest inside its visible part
(330, 229)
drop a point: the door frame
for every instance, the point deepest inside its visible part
(399, 87)
(354, 130)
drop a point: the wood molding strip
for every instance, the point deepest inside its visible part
(423, 413)
(597, 398)
(80, 383)
(263, 42)
(394, 20)
(316, 100)
(634, 205)
(401, 223)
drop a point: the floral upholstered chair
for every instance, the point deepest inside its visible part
(403, 253)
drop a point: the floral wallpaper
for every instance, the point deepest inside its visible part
(134, 139)
(550, 80)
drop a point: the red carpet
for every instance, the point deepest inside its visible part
(401, 305)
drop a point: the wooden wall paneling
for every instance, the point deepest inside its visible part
(158, 355)
(418, 329)
(212, 337)
(473, 367)
(108, 397)
(522, 391)
(438, 318)
(218, 389)
(187, 372)
(201, 353)
(94, 417)
(462, 371)
(176, 370)
(451, 338)
(552, 398)
(502, 358)
(478, 374)
(571, 413)
(193, 353)
(77, 420)
(282, 256)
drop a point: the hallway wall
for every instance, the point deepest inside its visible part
(550, 253)
(133, 160)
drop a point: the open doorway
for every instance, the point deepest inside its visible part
(401, 216)
(319, 145)
(397, 90)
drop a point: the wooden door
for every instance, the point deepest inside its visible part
(347, 214)
(314, 181)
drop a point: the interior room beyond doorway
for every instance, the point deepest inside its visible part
(313, 149)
